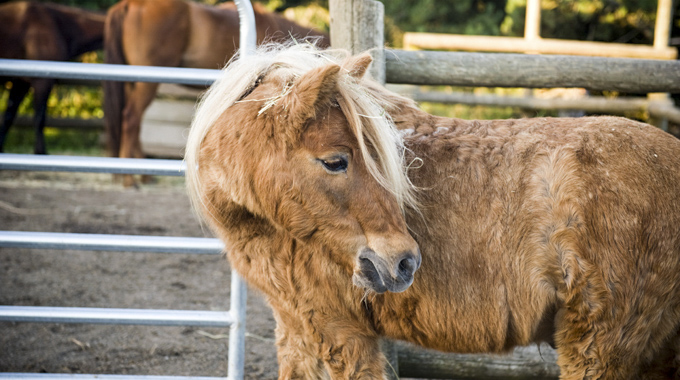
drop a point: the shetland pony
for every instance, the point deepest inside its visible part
(360, 216)
(174, 33)
(43, 31)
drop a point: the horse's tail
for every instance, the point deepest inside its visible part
(114, 91)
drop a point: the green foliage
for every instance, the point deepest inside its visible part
(281, 5)
(81, 102)
(481, 17)
(76, 102)
(623, 21)
(58, 140)
(65, 102)
(469, 112)
(312, 15)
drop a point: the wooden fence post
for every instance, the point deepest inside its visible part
(664, 17)
(357, 26)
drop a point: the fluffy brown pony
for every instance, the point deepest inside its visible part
(360, 216)
(175, 33)
(43, 31)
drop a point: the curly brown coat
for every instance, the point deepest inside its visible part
(557, 230)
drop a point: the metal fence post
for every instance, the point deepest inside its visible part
(239, 291)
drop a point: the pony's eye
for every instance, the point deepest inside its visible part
(335, 164)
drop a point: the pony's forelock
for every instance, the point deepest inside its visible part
(364, 111)
(372, 125)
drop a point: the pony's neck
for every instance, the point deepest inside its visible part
(285, 269)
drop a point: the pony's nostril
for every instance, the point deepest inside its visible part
(370, 274)
(375, 272)
(369, 270)
(407, 267)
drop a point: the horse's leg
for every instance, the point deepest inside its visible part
(41, 92)
(297, 351)
(590, 345)
(350, 351)
(154, 33)
(138, 97)
(16, 95)
(317, 345)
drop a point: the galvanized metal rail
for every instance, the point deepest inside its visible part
(112, 316)
(103, 71)
(9, 161)
(102, 242)
(69, 376)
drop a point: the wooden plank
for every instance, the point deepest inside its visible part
(531, 71)
(389, 349)
(165, 126)
(177, 91)
(342, 19)
(527, 363)
(662, 25)
(661, 39)
(436, 41)
(664, 110)
(532, 20)
(594, 104)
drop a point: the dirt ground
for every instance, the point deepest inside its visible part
(93, 203)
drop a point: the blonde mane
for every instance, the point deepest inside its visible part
(363, 103)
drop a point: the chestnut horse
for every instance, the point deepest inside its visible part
(360, 216)
(174, 33)
(43, 31)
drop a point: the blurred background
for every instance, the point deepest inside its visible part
(75, 112)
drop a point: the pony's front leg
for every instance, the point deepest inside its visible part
(350, 351)
(317, 347)
(298, 351)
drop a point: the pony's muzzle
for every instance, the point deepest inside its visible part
(380, 274)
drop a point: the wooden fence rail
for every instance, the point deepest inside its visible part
(639, 76)
(590, 104)
(593, 104)
(526, 363)
(437, 41)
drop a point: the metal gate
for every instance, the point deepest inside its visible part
(233, 318)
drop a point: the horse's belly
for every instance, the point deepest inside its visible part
(213, 39)
(203, 61)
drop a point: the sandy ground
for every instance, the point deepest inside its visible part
(92, 203)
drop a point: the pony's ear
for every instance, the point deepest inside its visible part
(358, 65)
(310, 91)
